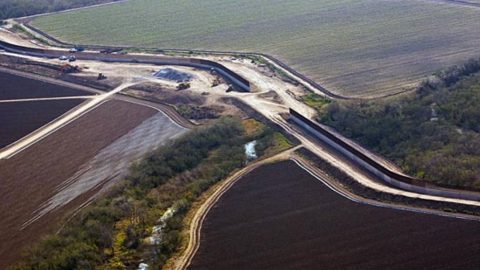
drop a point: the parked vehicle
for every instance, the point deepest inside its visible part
(72, 58)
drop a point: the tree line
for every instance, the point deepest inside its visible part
(112, 232)
(433, 134)
(21, 8)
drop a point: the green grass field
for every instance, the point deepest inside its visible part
(360, 48)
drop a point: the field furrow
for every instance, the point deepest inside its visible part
(358, 48)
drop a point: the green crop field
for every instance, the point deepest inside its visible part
(352, 47)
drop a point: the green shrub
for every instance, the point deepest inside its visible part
(433, 134)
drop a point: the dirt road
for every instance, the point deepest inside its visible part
(201, 213)
(185, 260)
(334, 186)
(359, 176)
(43, 99)
(271, 110)
(79, 111)
(288, 96)
(280, 217)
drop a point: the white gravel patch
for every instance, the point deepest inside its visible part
(112, 162)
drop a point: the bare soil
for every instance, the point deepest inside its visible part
(165, 94)
(29, 65)
(31, 177)
(16, 87)
(280, 217)
(193, 104)
(112, 162)
(19, 119)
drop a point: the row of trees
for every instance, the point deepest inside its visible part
(433, 134)
(21, 8)
(449, 77)
(111, 233)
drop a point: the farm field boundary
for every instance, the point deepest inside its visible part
(278, 64)
(362, 160)
(353, 49)
(310, 163)
(195, 226)
(289, 202)
(50, 80)
(185, 260)
(31, 177)
(24, 119)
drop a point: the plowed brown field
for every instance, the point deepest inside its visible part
(30, 178)
(16, 87)
(280, 217)
(21, 118)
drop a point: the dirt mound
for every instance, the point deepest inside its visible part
(173, 75)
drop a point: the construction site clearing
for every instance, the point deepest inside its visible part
(142, 92)
(123, 98)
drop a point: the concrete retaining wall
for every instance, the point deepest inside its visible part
(367, 163)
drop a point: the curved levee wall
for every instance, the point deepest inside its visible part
(26, 24)
(238, 81)
(362, 160)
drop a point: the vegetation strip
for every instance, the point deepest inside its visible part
(32, 177)
(123, 229)
(184, 261)
(433, 134)
(365, 162)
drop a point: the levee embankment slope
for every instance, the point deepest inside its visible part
(362, 158)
